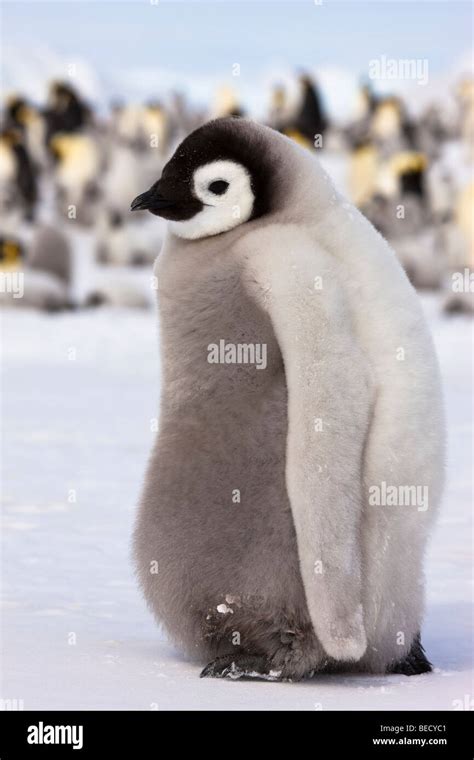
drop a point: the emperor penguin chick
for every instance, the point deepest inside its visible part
(299, 461)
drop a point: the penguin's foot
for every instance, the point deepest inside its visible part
(415, 661)
(246, 667)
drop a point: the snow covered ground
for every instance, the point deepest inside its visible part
(80, 392)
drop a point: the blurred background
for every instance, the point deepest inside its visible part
(95, 96)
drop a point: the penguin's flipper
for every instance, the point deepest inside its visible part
(329, 403)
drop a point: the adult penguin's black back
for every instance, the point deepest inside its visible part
(310, 120)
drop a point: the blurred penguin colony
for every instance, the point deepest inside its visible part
(68, 174)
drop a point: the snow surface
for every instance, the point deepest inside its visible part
(80, 394)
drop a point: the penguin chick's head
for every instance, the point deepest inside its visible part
(219, 177)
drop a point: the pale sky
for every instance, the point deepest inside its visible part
(141, 46)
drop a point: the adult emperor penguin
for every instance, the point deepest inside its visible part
(18, 175)
(36, 276)
(299, 461)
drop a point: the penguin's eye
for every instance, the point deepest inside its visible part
(218, 187)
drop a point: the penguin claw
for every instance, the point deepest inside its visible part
(241, 667)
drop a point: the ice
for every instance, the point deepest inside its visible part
(77, 433)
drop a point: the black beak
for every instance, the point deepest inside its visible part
(152, 201)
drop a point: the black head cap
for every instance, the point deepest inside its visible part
(228, 139)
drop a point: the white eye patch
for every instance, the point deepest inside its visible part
(224, 187)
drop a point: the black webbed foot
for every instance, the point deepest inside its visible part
(250, 667)
(414, 663)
